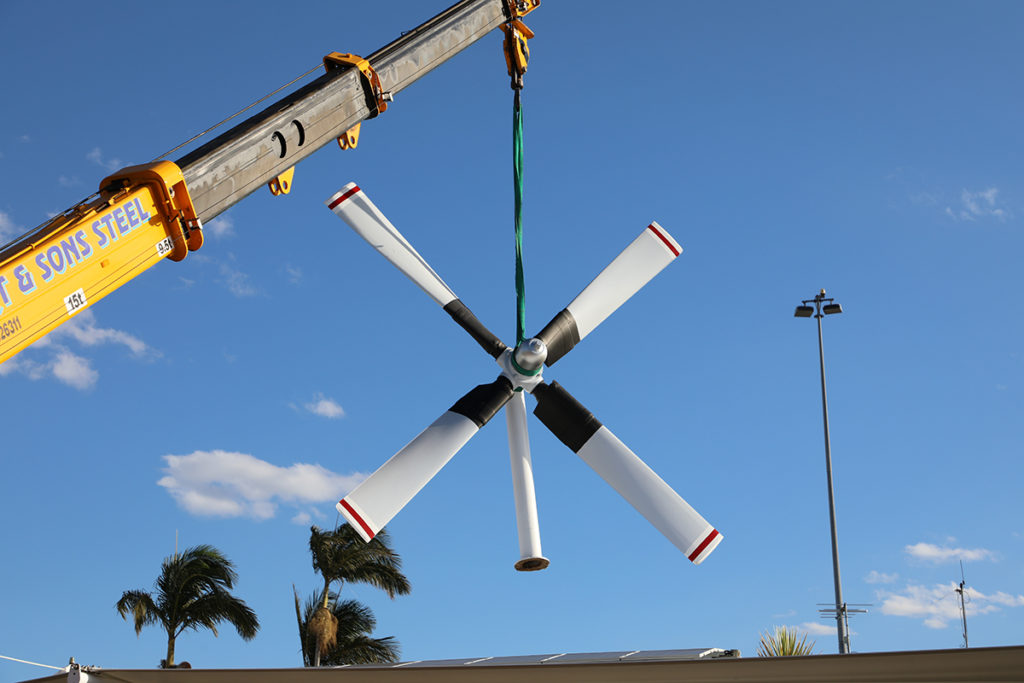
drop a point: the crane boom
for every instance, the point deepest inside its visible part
(143, 214)
(246, 157)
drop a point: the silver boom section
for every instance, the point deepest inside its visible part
(237, 163)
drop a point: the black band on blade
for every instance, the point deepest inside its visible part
(559, 335)
(469, 322)
(564, 416)
(484, 401)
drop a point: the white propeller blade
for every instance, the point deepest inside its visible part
(642, 488)
(638, 263)
(650, 495)
(380, 497)
(530, 556)
(353, 206)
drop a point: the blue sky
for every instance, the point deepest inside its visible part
(873, 149)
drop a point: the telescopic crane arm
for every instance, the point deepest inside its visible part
(143, 214)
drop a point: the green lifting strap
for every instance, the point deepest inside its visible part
(517, 175)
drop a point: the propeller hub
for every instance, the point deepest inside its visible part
(530, 355)
(523, 366)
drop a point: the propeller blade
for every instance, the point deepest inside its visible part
(373, 503)
(530, 556)
(577, 428)
(625, 276)
(353, 206)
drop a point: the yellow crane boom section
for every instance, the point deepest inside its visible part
(141, 215)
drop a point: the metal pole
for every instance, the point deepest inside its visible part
(844, 639)
(963, 604)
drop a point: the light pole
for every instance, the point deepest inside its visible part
(822, 307)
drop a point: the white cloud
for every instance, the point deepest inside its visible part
(8, 228)
(96, 156)
(64, 366)
(236, 281)
(302, 519)
(937, 554)
(68, 181)
(939, 605)
(24, 366)
(74, 370)
(880, 577)
(817, 628)
(975, 205)
(222, 226)
(82, 328)
(325, 407)
(294, 273)
(51, 357)
(225, 484)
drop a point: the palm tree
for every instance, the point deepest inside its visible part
(353, 644)
(191, 593)
(784, 642)
(341, 555)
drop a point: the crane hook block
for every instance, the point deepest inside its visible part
(517, 50)
(517, 36)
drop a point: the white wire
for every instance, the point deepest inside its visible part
(25, 661)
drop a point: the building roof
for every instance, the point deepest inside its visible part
(974, 665)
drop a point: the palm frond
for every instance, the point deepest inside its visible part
(192, 593)
(342, 555)
(218, 606)
(363, 649)
(353, 624)
(141, 606)
(784, 642)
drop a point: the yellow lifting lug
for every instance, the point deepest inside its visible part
(376, 98)
(171, 199)
(282, 184)
(350, 138)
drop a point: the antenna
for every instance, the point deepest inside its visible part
(962, 595)
(844, 611)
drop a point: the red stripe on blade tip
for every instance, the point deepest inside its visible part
(703, 544)
(339, 200)
(355, 515)
(663, 238)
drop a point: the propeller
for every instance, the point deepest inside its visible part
(637, 265)
(380, 497)
(577, 428)
(356, 209)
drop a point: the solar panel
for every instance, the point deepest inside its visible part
(569, 658)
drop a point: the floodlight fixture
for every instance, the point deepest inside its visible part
(804, 311)
(829, 309)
